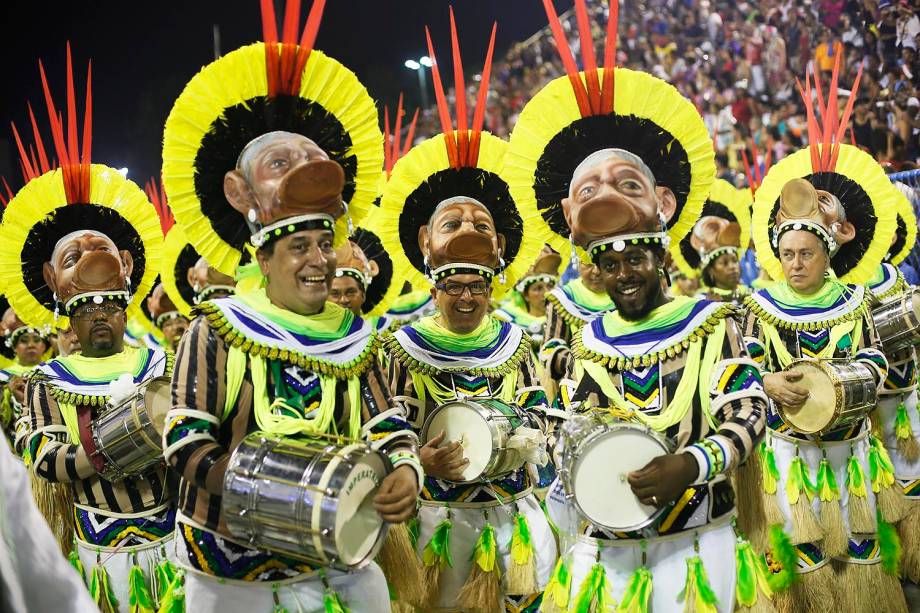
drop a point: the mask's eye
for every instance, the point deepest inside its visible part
(586, 191)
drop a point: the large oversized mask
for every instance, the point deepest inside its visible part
(461, 231)
(206, 279)
(802, 207)
(283, 175)
(87, 263)
(712, 233)
(613, 192)
(352, 262)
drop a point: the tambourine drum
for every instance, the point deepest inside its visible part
(483, 427)
(840, 392)
(129, 435)
(310, 499)
(597, 457)
(897, 321)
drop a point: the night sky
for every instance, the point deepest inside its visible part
(144, 52)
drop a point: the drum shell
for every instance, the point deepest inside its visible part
(272, 486)
(897, 321)
(855, 390)
(501, 419)
(126, 436)
(582, 433)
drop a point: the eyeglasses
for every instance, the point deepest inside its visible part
(87, 312)
(454, 288)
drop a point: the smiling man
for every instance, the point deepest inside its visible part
(280, 359)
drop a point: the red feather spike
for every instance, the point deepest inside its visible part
(269, 23)
(410, 134)
(482, 99)
(28, 172)
(387, 142)
(270, 34)
(610, 58)
(832, 110)
(44, 165)
(9, 193)
(755, 154)
(85, 158)
(441, 99)
(845, 119)
(565, 54)
(307, 40)
(289, 45)
(463, 137)
(397, 131)
(157, 196)
(55, 120)
(291, 19)
(813, 130)
(71, 112)
(830, 116)
(819, 94)
(752, 183)
(587, 56)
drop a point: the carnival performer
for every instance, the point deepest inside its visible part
(25, 346)
(80, 245)
(713, 249)
(822, 223)
(635, 173)
(897, 421)
(166, 316)
(279, 359)
(449, 217)
(526, 306)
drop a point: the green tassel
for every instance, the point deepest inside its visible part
(798, 481)
(332, 603)
(413, 526)
(174, 599)
(856, 480)
(595, 590)
(638, 592)
(485, 551)
(902, 427)
(890, 547)
(697, 593)
(279, 609)
(77, 563)
(880, 472)
(165, 574)
(559, 587)
(770, 470)
(100, 588)
(784, 560)
(139, 597)
(827, 482)
(752, 573)
(521, 542)
(437, 551)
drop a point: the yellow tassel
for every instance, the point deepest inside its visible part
(482, 590)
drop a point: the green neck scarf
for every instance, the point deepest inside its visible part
(666, 315)
(439, 336)
(824, 298)
(332, 323)
(521, 315)
(595, 301)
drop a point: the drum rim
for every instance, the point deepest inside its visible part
(823, 365)
(600, 428)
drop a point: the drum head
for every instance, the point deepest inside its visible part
(357, 524)
(601, 490)
(818, 411)
(915, 303)
(158, 400)
(462, 423)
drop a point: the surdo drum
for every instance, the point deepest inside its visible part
(483, 427)
(310, 499)
(598, 455)
(840, 392)
(897, 321)
(129, 435)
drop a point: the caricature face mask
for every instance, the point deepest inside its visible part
(461, 230)
(84, 262)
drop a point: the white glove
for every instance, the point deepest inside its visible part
(530, 444)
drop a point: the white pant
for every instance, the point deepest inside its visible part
(119, 564)
(363, 591)
(466, 524)
(666, 559)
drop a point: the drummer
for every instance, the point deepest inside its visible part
(676, 365)
(68, 260)
(823, 492)
(279, 358)
(471, 242)
(897, 418)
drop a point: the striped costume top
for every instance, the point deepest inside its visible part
(568, 307)
(684, 372)
(423, 374)
(78, 387)
(211, 416)
(780, 326)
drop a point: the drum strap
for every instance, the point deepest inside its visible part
(236, 370)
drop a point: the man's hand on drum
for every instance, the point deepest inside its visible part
(445, 462)
(663, 479)
(781, 388)
(395, 500)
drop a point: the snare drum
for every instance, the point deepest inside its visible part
(483, 427)
(840, 392)
(597, 457)
(129, 435)
(310, 499)
(897, 321)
